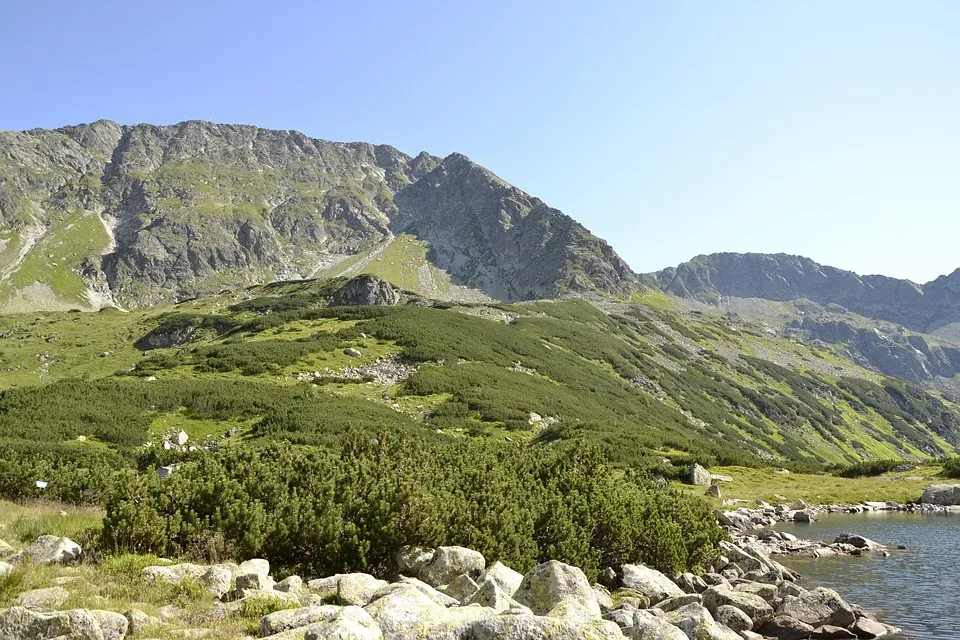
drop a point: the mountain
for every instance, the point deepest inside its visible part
(895, 326)
(102, 214)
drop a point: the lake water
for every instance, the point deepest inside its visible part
(917, 589)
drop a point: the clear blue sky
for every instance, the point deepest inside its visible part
(673, 128)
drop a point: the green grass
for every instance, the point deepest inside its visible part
(22, 523)
(767, 485)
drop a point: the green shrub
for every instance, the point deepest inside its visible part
(868, 468)
(951, 467)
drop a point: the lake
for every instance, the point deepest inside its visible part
(917, 589)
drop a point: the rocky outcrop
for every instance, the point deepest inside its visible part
(49, 550)
(941, 494)
(366, 290)
(172, 212)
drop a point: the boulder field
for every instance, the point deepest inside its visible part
(453, 593)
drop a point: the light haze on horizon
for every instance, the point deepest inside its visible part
(671, 129)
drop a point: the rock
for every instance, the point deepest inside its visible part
(697, 623)
(768, 592)
(713, 491)
(830, 632)
(489, 594)
(6, 550)
(291, 584)
(166, 472)
(366, 290)
(675, 602)
(357, 589)
(691, 583)
(508, 579)
(529, 627)
(217, 579)
(818, 607)
(786, 628)
(258, 566)
(941, 494)
(715, 478)
(251, 582)
(803, 516)
(180, 438)
(734, 618)
(645, 625)
(867, 628)
(350, 623)
(649, 582)
(859, 542)
(698, 476)
(138, 621)
(604, 599)
(49, 550)
(5, 568)
(410, 560)
(20, 623)
(550, 583)
(609, 578)
(437, 596)
(449, 562)
(174, 573)
(754, 606)
(113, 625)
(407, 613)
(43, 598)
(799, 505)
(462, 587)
(287, 619)
(353, 353)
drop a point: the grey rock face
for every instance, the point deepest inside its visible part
(190, 208)
(942, 494)
(50, 550)
(366, 290)
(649, 582)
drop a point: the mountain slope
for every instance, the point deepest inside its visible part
(136, 215)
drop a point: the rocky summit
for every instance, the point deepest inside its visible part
(103, 214)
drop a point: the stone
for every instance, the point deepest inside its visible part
(803, 517)
(941, 494)
(50, 550)
(258, 566)
(489, 594)
(357, 589)
(218, 580)
(174, 573)
(349, 623)
(714, 491)
(734, 618)
(50, 598)
(437, 596)
(353, 353)
(550, 583)
(462, 587)
(138, 621)
(449, 562)
(697, 623)
(287, 619)
(645, 625)
(698, 476)
(859, 542)
(410, 560)
(867, 628)
(675, 602)
(21, 623)
(786, 628)
(5, 568)
(252, 582)
(754, 606)
(691, 583)
(113, 626)
(649, 582)
(366, 290)
(290, 584)
(604, 599)
(818, 607)
(529, 627)
(166, 472)
(768, 592)
(508, 579)
(407, 613)
(180, 438)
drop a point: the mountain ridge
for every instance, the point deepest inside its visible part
(134, 215)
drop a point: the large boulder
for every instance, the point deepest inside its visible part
(649, 582)
(410, 560)
(942, 494)
(20, 623)
(490, 594)
(549, 584)
(462, 587)
(174, 573)
(786, 628)
(217, 579)
(530, 627)
(697, 623)
(366, 290)
(754, 606)
(281, 621)
(434, 594)
(449, 562)
(349, 623)
(645, 625)
(407, 613)
(49, 598)
(818, 607)
(113, 625)
(734, 618)
(357, 589)
(49, 550)
(697, 475)
(508, 579)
